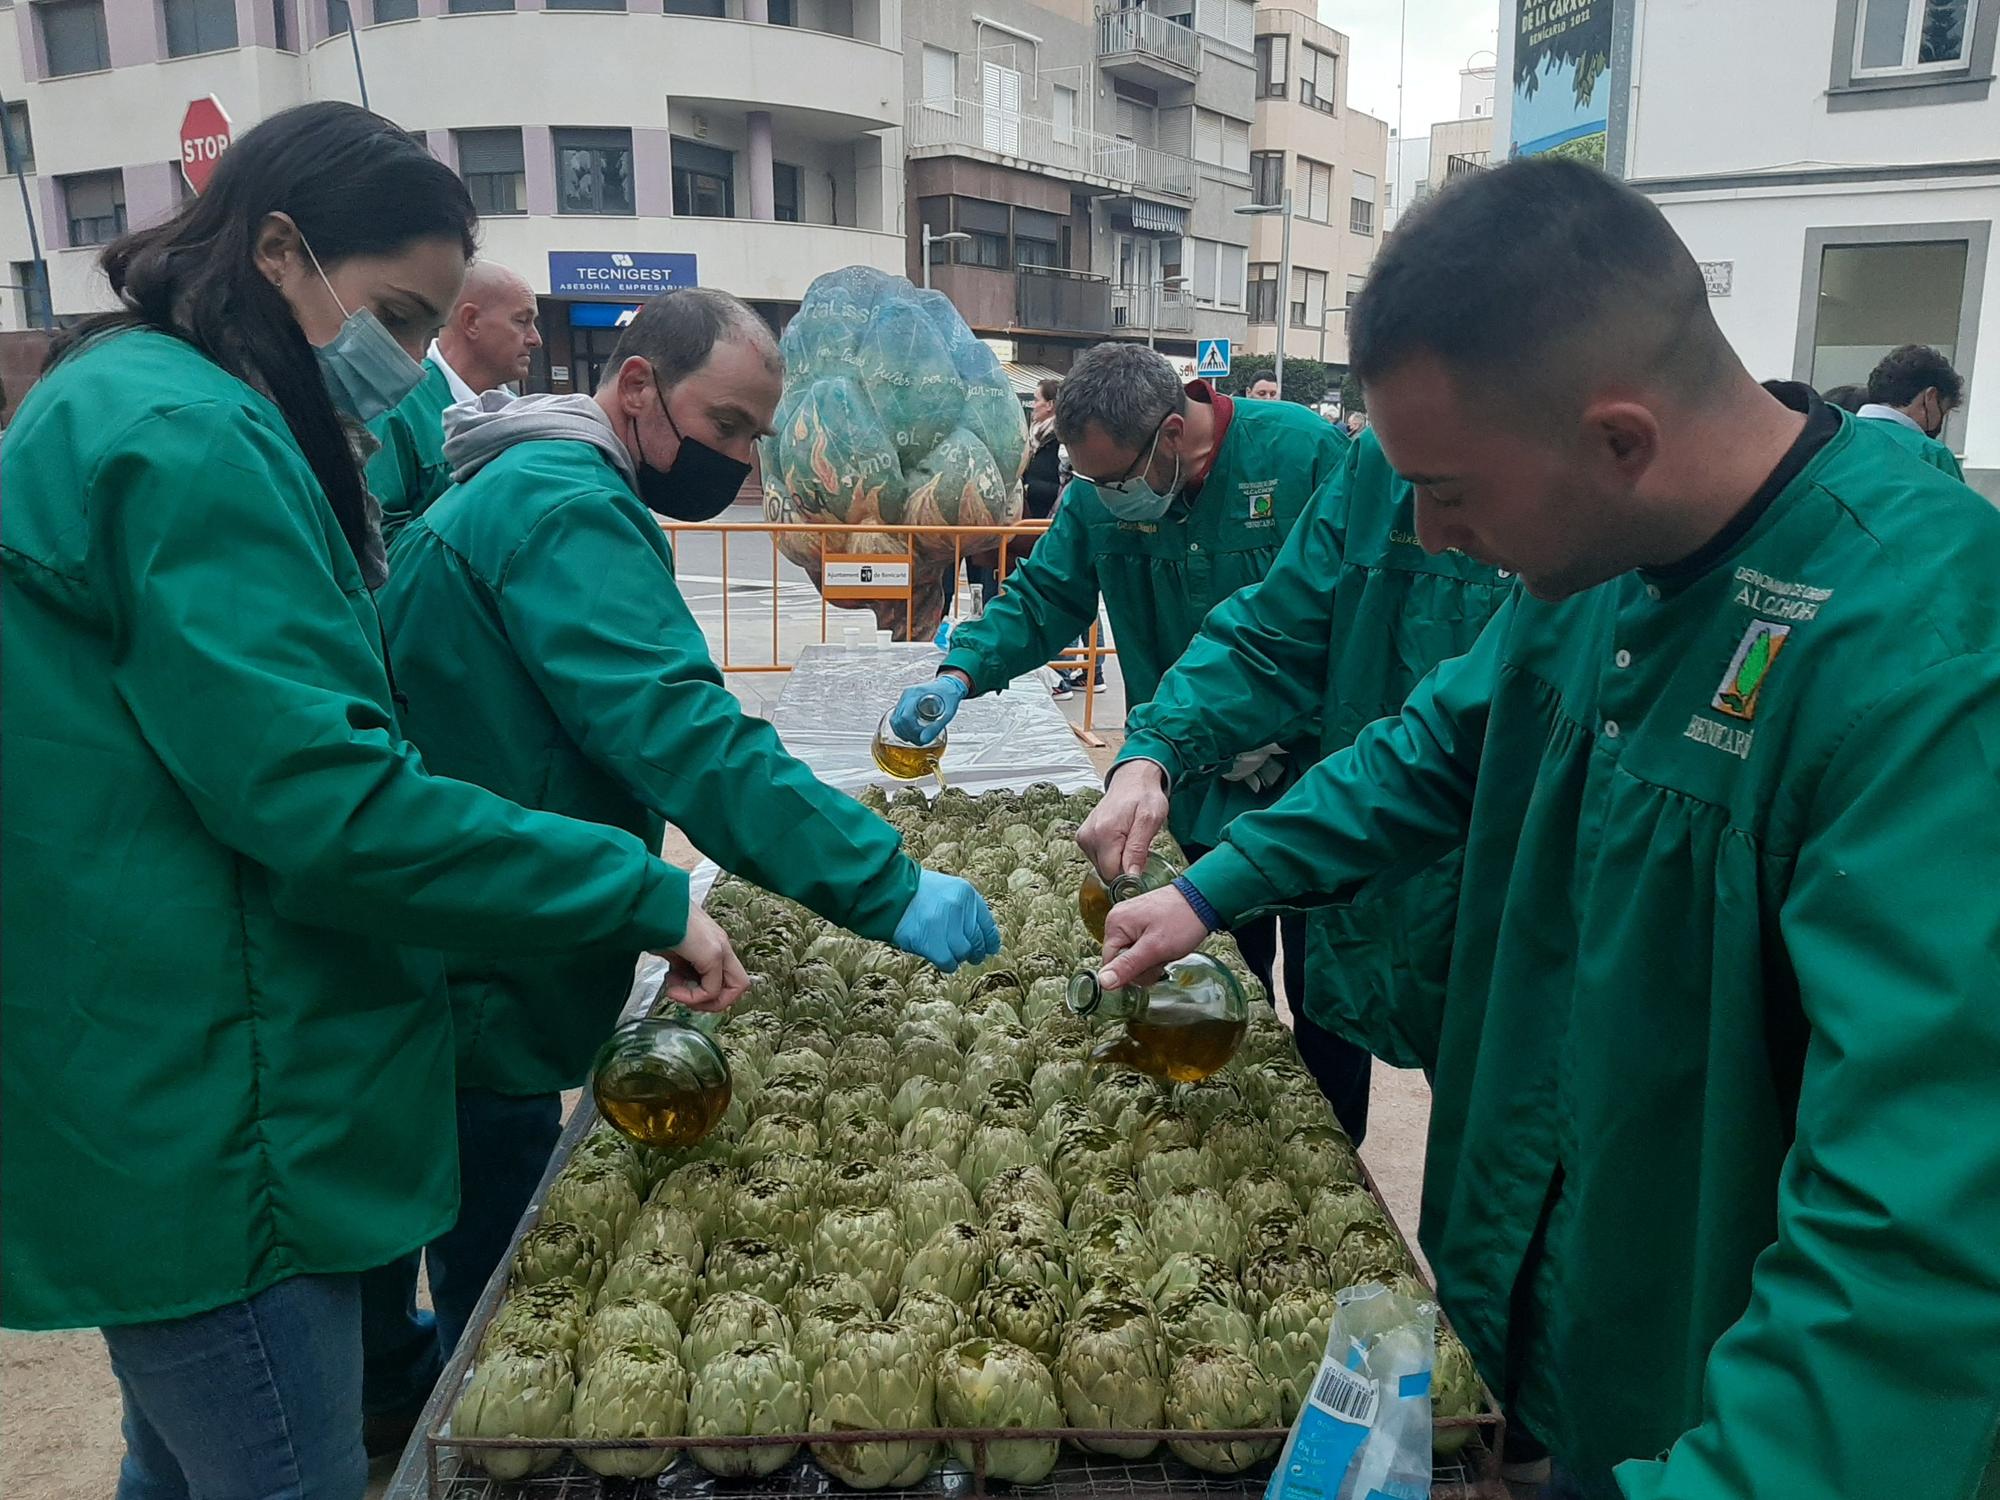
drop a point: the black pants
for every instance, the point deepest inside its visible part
(1340, 1068)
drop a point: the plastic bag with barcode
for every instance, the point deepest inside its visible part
(1364, 1429)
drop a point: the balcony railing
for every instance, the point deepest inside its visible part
(1062, 301)
(966, 124)
(1465, 163)
(1134, 31)
(1162, 309)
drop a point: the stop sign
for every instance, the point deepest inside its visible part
(204, 137)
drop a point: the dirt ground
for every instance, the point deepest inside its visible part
(59, 1437)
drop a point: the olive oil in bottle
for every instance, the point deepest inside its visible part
(660, 1081)
(904, 759)
(1094, 898)
(1182, 1028)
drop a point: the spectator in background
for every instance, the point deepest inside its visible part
(1356, 420)
(1910, 393)
(1263, 388)
(1849, 398)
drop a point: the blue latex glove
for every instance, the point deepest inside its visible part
(948, 690)
(947, 922)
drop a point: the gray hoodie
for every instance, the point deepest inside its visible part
(477, 432)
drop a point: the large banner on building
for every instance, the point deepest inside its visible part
(1562, 78)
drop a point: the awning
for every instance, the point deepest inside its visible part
(1150, 218)
(1026, 377)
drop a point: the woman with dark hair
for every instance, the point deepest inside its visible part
(227, 1084)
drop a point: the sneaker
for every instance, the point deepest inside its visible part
(1097, 682)
(1062, 689)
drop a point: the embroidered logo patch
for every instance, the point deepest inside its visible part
(1750, 668)
(1260, 507)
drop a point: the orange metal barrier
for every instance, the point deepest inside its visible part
(1089, 656)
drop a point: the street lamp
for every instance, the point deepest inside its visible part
(949, 237)
(1156, 288)
(1284, 207)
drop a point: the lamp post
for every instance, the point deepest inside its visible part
(1153, 306)
(953, 236)
(1282, 207)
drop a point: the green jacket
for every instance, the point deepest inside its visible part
(408, 472)
(1350, 617)
(1721, 1013)
(545, 652)
(1157, 580)
(1914, 440)
(222, 1067)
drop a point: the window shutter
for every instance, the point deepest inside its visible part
(1208, 137)
(1322, 193)
(1241, 24)
(1364, 187)
(940, 77)
(1236, 145)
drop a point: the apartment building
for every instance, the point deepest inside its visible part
(744, 144)
(1092, 161)
(1333, 160)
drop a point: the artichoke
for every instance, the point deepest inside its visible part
(945, 1131)
(755, 1266)
(1196, 1219)
(865, 1243)
(1109, 1192)
(705, 1189)
(516, 1393)
(548, 1316)
(1058, 1120)
(815, 1329)
(992, 1150)
(556, 1251)
(1237, 1141)
(750, 1390)
(1115, 1244)
(918, 1093)
(1455, 1390)
(987, 1383)
(1368, 1252)
(1160, 1172)
(855, 1105)
(1056, 1080)
(951, 1263)
(794, 1092)
(775, 1133)
(926, 1204)
(609, 1148)
(598, 1196)
(728, 1320)
(673, 1230)
(656, 1275)
(1206, 1315)
(935, 1320)
(1257, 1193)
(633, 1390)
(1187, 1272)
(874, 1378)
(1279, 1229)
(1112, 1286)
(824, 1291)
(1121, 1097)
(1334, 1211)
(1319, 1157)
(772, 1209)
(1111, 1376)
(1209, 1099)
(628, 1320)
(1021, 1187)
(809, 1036)
(1215, 1389)
(861, 1140)
(997, 1058)
(1161, 1126)
(794, 1167)
(861, 1059)
(1271, 1273)
(1021, 1312)
(929, 1053)
(1084, 1153)
(857, 1184)
(1292, 1341)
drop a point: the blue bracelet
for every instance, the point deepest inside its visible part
(1210, 918)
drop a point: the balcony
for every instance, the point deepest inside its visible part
(1061, 301)
(1465, 164)
(1136, 309)
(1136, 44)
(962, 127)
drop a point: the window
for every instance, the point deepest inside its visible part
(940, 78)
(1902, 36)
(1037, 238)
(781, 13)
(1267, 176)
(1218, 276)
(1312, 191)
(1308, 298)
(1230, 21)
(73, 36)
(1063, 114)
(1263, 292)
(94, 204)
(281, 25)
(583, 4)
(593, 171)
(785, 184)
(34, 304)
(494, 170)
(473, 7)
(704, 181)
(394, 10)
(1273, 65)
(1220, 141)
(987, 224)
(1316, 79)
(1354, 286)
(338, 17)
(20, 140)
(1873, 297)
(1000, 115)
(1361, 207)
(199, 26)
(714, 9)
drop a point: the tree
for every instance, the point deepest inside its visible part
(1351, 395)
(1305, 379)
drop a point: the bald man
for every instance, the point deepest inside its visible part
(488, 342)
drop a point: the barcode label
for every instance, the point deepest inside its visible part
(1346, 1395)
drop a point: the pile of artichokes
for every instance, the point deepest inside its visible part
(923, 1211)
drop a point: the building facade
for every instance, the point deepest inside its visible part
(1835, 166)
(1092, 158)
(1334, 161)
(613, 146)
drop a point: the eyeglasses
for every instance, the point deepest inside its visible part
(1134, 471)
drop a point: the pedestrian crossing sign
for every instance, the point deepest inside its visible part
(1211, 358)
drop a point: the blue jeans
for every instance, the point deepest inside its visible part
(504, 1142)
(258, 1400)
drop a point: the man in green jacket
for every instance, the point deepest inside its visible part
(545, 652)
(1713, 1188)
(1910, 393)
(488, 342)
(1350, 617)
(1181, 498)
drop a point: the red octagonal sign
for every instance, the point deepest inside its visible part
(204, 137)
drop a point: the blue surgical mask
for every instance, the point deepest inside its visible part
(1135, 499)
(366, 371)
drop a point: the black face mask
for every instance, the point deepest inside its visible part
(699, 485)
